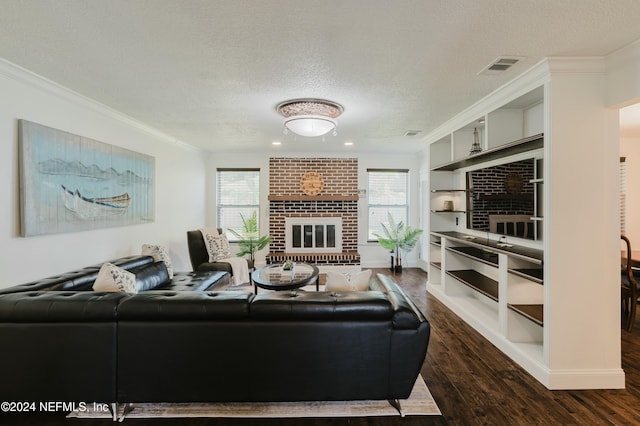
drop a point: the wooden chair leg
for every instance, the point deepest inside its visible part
(632, 314)
(628, 313)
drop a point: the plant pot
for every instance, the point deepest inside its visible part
(398, 265)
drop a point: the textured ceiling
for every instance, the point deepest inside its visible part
(211, 72)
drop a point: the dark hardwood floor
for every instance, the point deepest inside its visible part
(472, 382)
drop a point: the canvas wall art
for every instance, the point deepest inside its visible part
(71, 183)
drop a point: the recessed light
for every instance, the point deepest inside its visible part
(276, 143)
(412, 132)
(348, 143)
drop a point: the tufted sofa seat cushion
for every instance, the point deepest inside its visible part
(59, 306)
(79, 280)
(150, 275)
(185, 306)
(321, 306)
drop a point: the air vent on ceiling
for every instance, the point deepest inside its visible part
(501, 64)
(412, 132)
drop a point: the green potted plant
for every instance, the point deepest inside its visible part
(249, 239)
(398, 239)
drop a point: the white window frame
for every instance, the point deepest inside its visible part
(370, 205)
(220, 207)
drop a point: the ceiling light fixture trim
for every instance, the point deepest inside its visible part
(310, 117)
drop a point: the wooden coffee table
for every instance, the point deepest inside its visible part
(272, 278)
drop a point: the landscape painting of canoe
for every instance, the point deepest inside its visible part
(71, 183)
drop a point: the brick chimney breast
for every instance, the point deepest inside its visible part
(338, 198)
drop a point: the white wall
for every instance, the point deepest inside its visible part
(623, 76)
(630, 148)
(180, 182)
(371, 254)
(581, 228)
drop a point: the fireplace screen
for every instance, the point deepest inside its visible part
(313, 235)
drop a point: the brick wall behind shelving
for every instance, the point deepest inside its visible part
(340, 178)
(490, 181)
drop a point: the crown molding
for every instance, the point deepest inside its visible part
(29, 78)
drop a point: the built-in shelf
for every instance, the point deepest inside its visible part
(516, 147)
(448, 211)
(534, 313)
(477, 281)
(436, 264)
(525, 253)
(476, 253)
(533, 274)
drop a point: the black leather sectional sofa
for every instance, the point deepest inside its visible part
(64, 342)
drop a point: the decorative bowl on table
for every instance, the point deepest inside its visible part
(286, 270)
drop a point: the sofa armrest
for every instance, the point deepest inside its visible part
(213, 267)
(198, 281)
(219, 266)
(406, 313)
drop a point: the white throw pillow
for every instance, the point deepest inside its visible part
(360, 281)
(159, 254)
(337, 282)
(346, 282)
(218, 247)
(112, 278)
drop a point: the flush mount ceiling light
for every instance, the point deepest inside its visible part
(310, 117)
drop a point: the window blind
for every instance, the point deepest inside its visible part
(388, 192)
(238, 192)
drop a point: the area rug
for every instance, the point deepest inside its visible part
(419, 403)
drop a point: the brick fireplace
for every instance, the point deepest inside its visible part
(314, 221)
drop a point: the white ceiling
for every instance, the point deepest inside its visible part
(210, 72)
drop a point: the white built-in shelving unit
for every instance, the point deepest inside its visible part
(513, 293)
(497, 288)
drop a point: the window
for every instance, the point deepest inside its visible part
(238, 193)
(388, 192)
